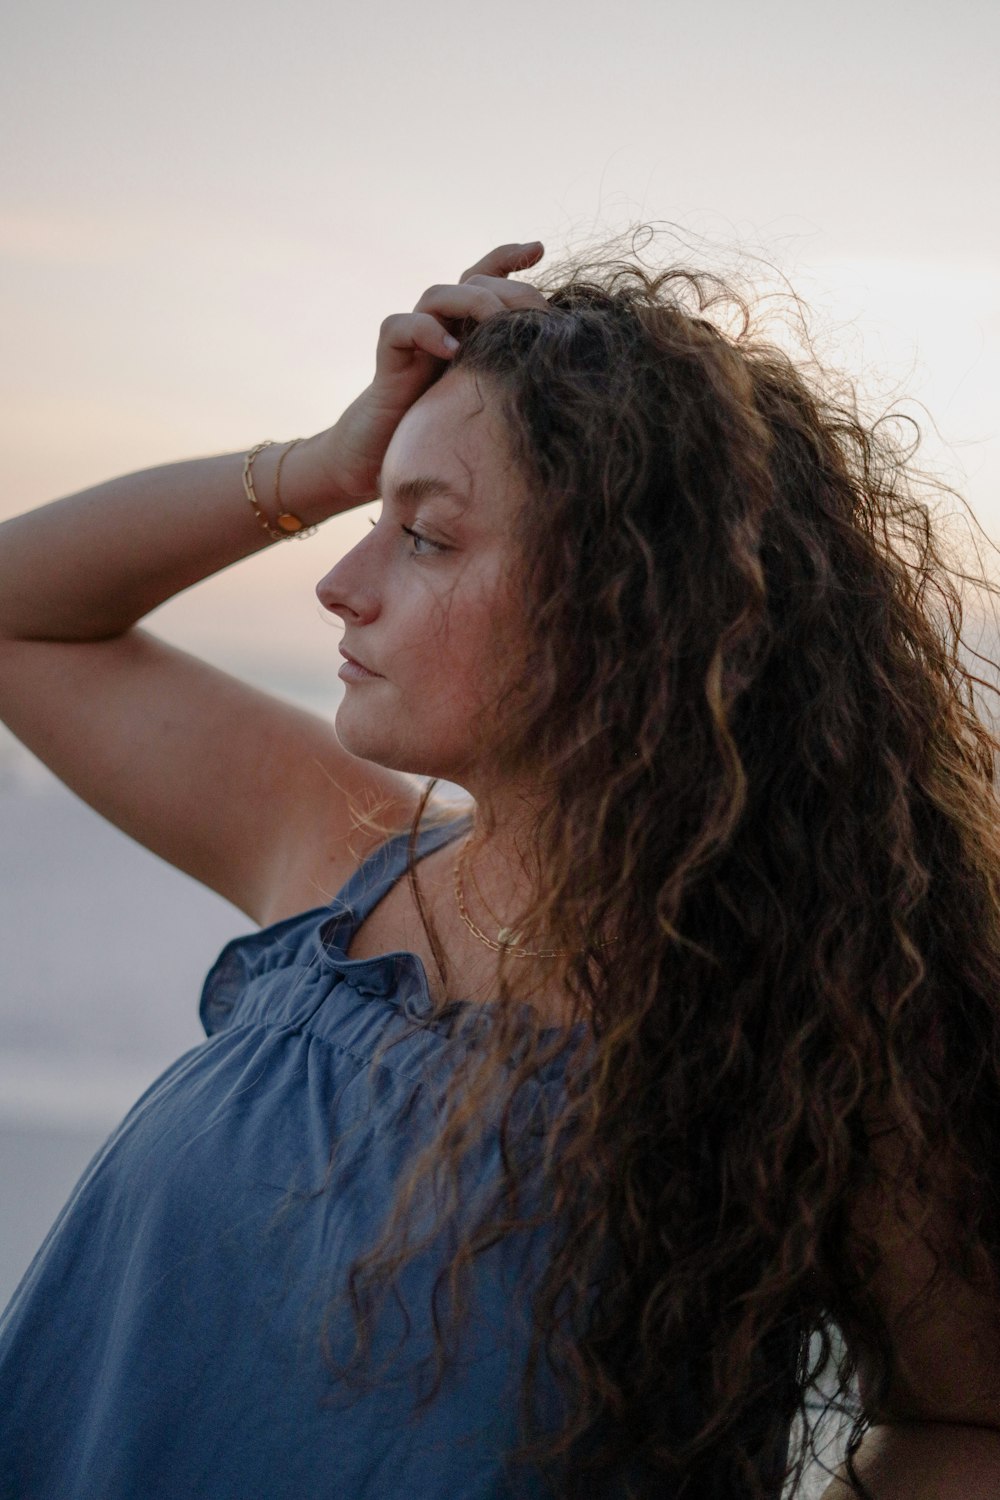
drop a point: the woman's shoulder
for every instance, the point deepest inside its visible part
(317, 873)
(335, 911)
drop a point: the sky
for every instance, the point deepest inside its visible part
(207, 209)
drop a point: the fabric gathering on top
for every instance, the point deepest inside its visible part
(166, 1339)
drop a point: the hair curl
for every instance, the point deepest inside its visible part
(747, 704)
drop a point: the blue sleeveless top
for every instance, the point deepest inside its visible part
(167, 1340)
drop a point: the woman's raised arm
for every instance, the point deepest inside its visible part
(202, 769)
(88, 567)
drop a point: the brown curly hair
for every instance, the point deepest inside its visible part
(747, 704)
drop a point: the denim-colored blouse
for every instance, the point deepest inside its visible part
(165, 1341)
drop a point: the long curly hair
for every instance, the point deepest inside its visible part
(764, 769)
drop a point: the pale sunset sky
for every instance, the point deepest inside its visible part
(208, 208)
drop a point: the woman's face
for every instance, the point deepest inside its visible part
(425, 598)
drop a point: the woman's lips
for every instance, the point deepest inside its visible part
(353, 671)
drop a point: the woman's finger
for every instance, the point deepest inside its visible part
(409, 333)
(510, 293)
(478, 298)
(460, 302)
(505, 259)
(428, 329)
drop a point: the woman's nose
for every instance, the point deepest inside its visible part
(347, 590)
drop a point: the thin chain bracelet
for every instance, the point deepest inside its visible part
(287, 525)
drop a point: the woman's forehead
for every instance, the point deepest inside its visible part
(451, 448)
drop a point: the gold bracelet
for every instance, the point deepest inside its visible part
(287, 525)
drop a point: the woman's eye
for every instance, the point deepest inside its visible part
(422, 542)
(422, 545)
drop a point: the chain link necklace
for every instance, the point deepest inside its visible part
(507, 941)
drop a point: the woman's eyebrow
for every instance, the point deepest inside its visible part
(423, 487)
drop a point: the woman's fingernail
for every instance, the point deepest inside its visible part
(449, 342)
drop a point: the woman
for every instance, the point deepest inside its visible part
(547, 1157)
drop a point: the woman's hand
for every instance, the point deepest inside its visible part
(413, 349)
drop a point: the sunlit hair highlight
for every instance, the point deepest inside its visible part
(760, 765)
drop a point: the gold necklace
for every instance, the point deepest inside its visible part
(506, 940)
